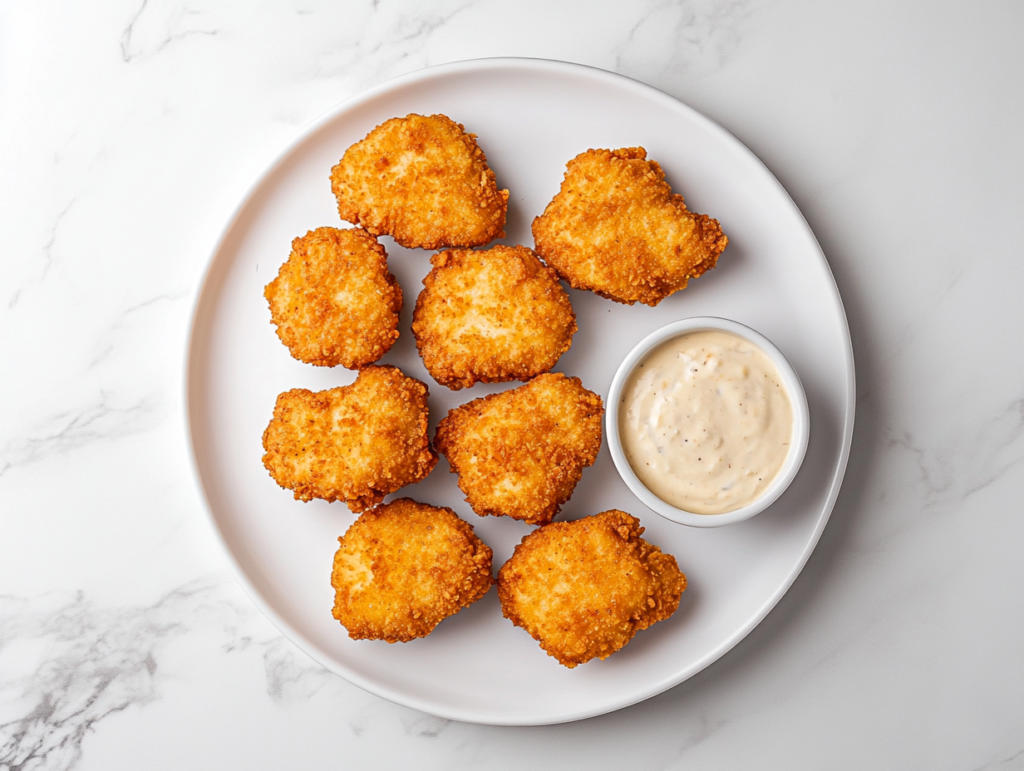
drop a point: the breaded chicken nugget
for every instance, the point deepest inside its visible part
(404, 567)
(491, 316)
(616, 229)
(582, 589)
(334, 301)
(356, 443)
(520, 453)
(424, 182)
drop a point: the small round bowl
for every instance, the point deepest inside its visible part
(790, 381)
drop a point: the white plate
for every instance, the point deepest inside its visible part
(531, 117)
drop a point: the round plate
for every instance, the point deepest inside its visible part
(531, 117)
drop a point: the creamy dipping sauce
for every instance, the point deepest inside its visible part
(705, 422)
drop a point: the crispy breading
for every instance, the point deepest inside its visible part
(355, 444)
(616, 228)
(335, 301)
(423, 181)
(520, 453)
(404, 567)
(491, 316)
(582, 589)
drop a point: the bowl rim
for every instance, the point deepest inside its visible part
(791, 383)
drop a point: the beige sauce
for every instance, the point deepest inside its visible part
(705, 422)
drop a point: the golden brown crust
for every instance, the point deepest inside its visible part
(491, 316)
(423, 181)
(616, 228)
(404, 567)
(582, 589)
(335, 301)
(355, 444)
(520, 453)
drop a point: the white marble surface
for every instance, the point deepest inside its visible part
(129, 130)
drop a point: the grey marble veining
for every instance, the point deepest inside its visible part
(699, 37)
(69, 664)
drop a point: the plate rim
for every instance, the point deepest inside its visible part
(189, 371)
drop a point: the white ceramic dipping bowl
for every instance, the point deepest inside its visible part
(791, 384)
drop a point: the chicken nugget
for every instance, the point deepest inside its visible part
(582, 589)
(424, 182)
(355, 444)
(616, 229)
(491, 316)
(334, 301)
(403, 568)
(520, 453)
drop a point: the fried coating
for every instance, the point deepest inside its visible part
(334, 301)
(582, 589)
(403, 568)
(520, 453)
(491, 316)
(616, 228)
(424, 182)
(355, 444)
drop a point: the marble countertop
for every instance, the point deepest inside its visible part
(129, 130)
